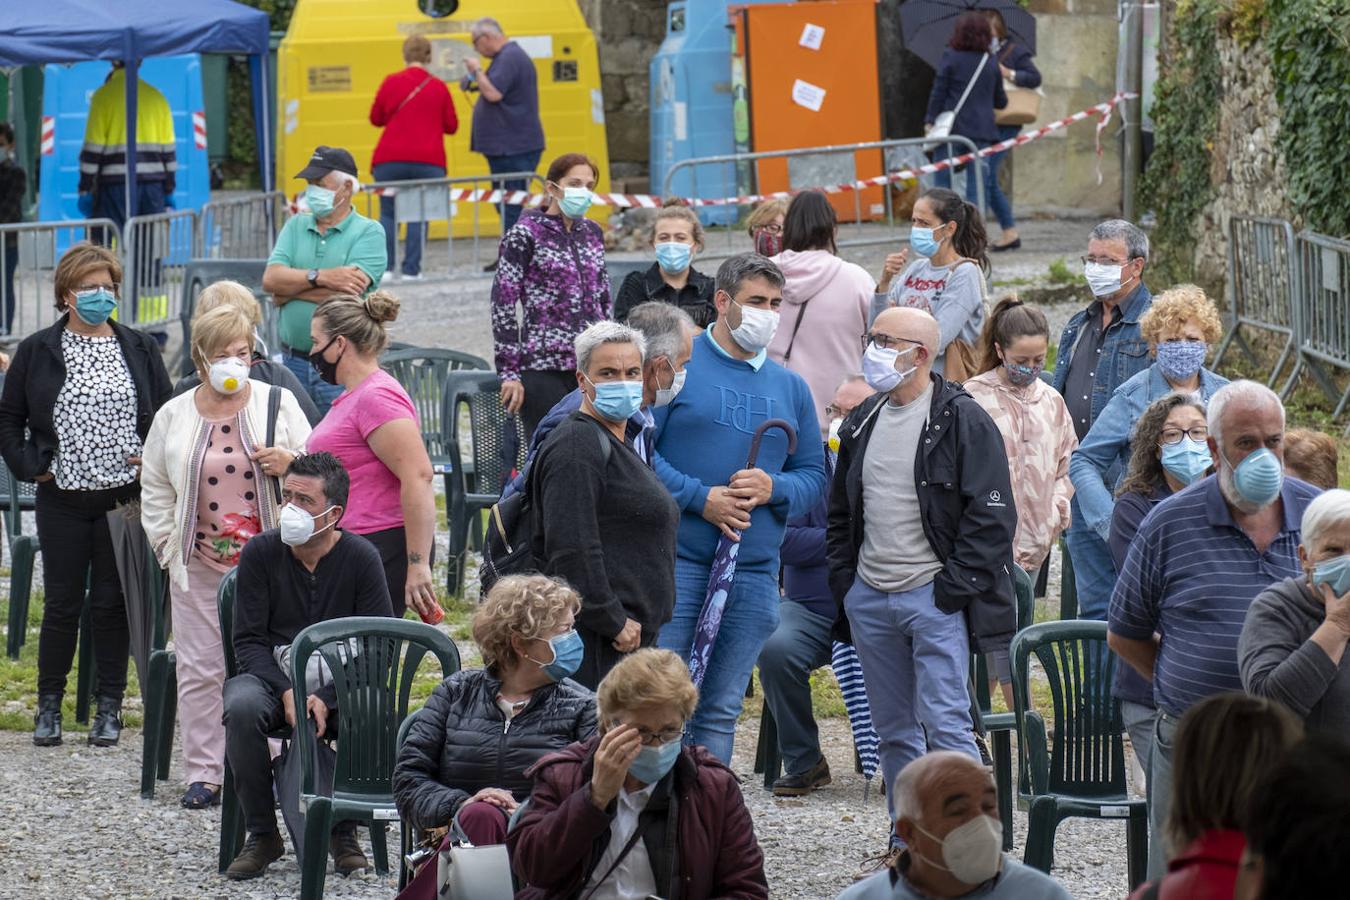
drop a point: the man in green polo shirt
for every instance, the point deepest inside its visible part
(332, 249)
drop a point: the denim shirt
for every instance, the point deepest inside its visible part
(1124, 351)
(1101, 458)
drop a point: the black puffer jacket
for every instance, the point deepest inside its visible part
(459, 743)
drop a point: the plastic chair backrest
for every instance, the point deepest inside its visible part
(26, 494)
(1087, 754)
(372, 676)
(225, 609)
(198, 273)
(421, 372)
(618, 270)
(481, 393)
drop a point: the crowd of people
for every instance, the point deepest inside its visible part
(869, 474)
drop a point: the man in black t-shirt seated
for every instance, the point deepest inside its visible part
(304, 572)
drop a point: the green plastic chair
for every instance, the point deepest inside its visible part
(1068, 587)
(159, 692)
(405, 833)
(1081, 772)
(372, 676)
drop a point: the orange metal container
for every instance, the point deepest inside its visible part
(811, 68)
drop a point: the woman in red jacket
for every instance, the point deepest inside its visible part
(634, 812)
(415, 110)
(1225, 745)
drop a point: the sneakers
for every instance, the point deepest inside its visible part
(346, 853)
(388, 277)
(800, 785)
(47, 721)
(260, 851)
(107, 727)
(418, 277)
(983, 746)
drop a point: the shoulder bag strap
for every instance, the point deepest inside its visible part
(415, 91)
(970, 85)
(632, 842)
(801, 311)
(273, 410)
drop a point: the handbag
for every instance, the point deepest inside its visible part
(960, 361)
(1024, 104)
(942, 126)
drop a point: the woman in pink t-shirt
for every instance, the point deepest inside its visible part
(372, 428)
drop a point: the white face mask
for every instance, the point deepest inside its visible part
(297, 526)
(879, 367)
(1103, 280)
(972, 852)
(756, 329)
(229, 376)
(665, 395)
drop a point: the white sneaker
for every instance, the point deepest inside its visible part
(407, 277)
(389, 276)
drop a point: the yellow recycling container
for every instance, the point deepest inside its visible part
(337, 52)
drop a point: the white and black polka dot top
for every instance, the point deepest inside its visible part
(95, 416)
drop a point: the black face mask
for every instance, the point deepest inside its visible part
(327, 370)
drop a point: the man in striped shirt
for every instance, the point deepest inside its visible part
(1199, 559)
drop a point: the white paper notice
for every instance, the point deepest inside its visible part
(681, 120)
(806, 94)
(812, 35)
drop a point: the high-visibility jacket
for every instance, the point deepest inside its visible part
(103, 159)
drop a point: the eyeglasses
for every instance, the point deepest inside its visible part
(885, 341)
(653, 738)
(771, 229)
(90, 288)
(834, 412)
(1104, 262)
(1174, 435)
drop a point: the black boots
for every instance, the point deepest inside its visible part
(107, 727)
(47, 722)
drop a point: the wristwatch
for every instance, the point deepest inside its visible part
(313, 276)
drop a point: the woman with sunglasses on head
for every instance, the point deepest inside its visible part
(78, 401)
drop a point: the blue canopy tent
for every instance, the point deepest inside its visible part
(66, 31)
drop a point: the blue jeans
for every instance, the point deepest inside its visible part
(517, 162)
(412, 245)
(799, 646)
(322, 393)
(1160, 791)
(999, 203)
(916, 666)
(751, 615)
(943, 179)
(1093, 569)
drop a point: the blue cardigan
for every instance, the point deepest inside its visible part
(976, 118)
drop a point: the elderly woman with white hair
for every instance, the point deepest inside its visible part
(1293, 641)
(635, 812)
(606, 523)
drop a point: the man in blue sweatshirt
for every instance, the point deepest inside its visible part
(703, 441)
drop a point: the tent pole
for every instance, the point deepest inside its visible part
(131, 86)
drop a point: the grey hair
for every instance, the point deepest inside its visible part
(663, 325)
(850, 379)
(486, 25)
(1136, 242)
(1242, 391)
(909, 784)
(736, 269)
(1328, 510)
(348, 179)
(606, 333)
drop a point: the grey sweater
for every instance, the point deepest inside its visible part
(1278, 660)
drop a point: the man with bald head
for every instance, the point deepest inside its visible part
(1197, 562)
(947, 817)
(919, 542)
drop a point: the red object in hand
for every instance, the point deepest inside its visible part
(437, 615)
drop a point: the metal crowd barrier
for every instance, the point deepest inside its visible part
(1323, 313)
(29, 253)
(810, 167)
(1263, 285)
(243, 227)
(157, 249)
(427, 200)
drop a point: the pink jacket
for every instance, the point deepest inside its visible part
(829, 297)
(1039, 438)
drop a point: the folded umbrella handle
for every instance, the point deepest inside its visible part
(759, 433)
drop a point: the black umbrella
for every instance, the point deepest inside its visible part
(144, 585)
(928, 24)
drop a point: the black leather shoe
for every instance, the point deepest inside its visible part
(107, 727)
(47, 722)
(799, 785)
(1014, 244)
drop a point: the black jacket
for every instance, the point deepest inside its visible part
(459, 743)
(695, 298)
(37, 374)
(965, 496)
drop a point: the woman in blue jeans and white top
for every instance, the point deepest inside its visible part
(1179, 327)
(948, 280)
(1015, 65)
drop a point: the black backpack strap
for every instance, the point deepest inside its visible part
(273, 411)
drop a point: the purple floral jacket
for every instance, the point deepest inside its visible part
(558, 277)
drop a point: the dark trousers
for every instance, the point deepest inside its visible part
(110, 200)
(543, 389)
(599, 656)
(799, 645)
(252, 711)
(516, 162)
(392, 543)
(77, 550)
(11, 262)
(412, 247)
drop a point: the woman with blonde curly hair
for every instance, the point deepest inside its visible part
(1180, 327)
(467, 752)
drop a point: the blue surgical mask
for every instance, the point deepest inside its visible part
(567, 653)
(617, 401)
(1179, 360)
(921, 239)
(575, 202)
(1186, 460)
(673, 256)
(1258, 478)
(95, 306)
(652, 763)
(319, 199)
(1334, 572)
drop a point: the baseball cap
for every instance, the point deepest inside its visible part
(325, 160)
